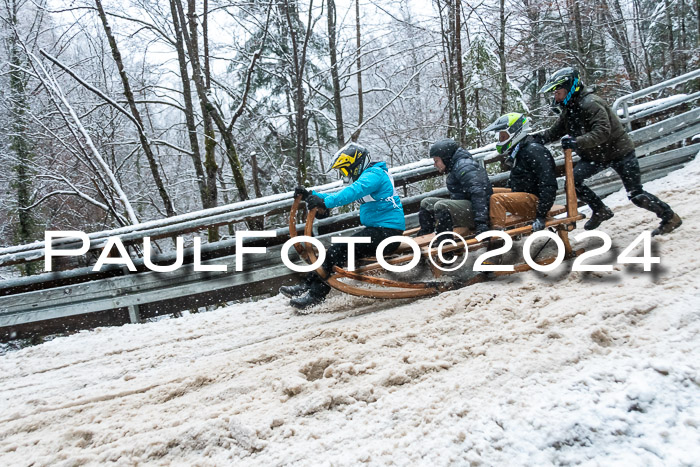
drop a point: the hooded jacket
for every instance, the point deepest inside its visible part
(467, 180)
(600, 135)
(534, 172)
(374, 188)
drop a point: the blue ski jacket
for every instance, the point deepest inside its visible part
(381, 206)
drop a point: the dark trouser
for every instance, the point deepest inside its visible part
(628, 170)
(448, 213)
(337, 255)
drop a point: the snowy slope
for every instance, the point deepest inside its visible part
(592, 368)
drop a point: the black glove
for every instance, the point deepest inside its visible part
(481, 228)
(567, 142)
(538, 224)
(314, 201)
(300, 190)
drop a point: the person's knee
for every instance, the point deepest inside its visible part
(428, 204)
(632, 194)
(442, 205)
(579, 178)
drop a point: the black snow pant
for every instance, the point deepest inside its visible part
(628, 170)
(337, 255)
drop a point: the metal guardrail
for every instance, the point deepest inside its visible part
(625, 101)
(145, 289)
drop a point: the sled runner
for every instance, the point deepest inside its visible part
(369, 285)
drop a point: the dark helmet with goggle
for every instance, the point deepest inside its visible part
(350, 161)
(509, 129)
(567, 78)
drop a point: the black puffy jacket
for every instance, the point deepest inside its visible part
(535, 172)
(466, 179)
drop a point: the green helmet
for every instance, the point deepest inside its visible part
(515, 125)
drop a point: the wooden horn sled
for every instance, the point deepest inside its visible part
(364, 281)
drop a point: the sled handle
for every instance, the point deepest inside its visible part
(293, 226)
(571, 199)
(309, 232)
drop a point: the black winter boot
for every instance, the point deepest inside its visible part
(291, 291)
(306, 301)
(316, 293)
(599, 216)
(426, 221)
(669, 219)
(444, 221)
(667, 226)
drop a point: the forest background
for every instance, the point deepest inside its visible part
(114, 113)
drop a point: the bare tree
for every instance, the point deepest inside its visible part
(145, 144)
(333, 52)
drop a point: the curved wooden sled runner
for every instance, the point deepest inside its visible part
(386, 288)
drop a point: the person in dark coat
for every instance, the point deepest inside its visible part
(533, 180)
(588, 126)
(469, 187)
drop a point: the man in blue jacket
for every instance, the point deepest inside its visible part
(381, 214)
(469, 187)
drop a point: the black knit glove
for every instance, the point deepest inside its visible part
(300, 190)
(314, 201)
(567, 142)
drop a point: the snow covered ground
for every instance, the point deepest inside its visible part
(534, 369)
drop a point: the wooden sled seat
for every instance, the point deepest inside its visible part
(512, 220)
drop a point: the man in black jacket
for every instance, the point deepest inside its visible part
(533, 179)
(588, 126)
(469, 187)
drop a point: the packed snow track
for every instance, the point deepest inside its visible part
(535, 369)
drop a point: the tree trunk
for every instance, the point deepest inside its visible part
(615, 22)
(671, 47)
(697, 17)
(502, 57)
(460, 73)
(360, 103)
(210, 109)
(189, 108)
(209, 135)
(447, 44)
(152, 161)
(337, 104)
(298, 98)
(256, 183)
(25, 229)
(642, 41)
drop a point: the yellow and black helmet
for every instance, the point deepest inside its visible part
(509, 130)
(350, 161)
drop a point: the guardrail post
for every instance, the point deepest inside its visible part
(626, 115)
(134, 314)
